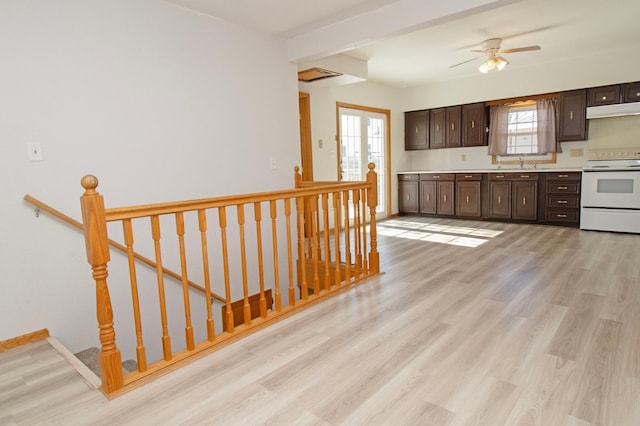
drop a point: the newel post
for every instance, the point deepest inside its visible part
(372, 201)
(297, 177)
(97, 244)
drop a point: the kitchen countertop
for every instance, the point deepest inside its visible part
(516, 170)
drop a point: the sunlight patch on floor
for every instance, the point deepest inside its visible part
(436, 233)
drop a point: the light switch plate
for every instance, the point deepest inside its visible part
(35, 151)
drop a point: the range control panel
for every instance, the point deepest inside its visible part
(614, 154)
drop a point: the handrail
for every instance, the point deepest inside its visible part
(59, 215)
(329, 260)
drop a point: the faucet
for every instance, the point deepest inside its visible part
(521, 162)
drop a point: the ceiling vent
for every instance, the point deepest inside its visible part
(315, 74)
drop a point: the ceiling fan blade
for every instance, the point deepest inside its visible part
(468, 60)
(521, 49)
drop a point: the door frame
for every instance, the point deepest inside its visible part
(387, 114)
(306, 150)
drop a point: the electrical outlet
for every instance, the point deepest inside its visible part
(35, 151)
(463, 157)
(576, 152)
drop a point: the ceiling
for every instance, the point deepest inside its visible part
(408, 43)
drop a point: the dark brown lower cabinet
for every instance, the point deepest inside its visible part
(408, 197)
(436, 194)
(513, 196)
(468, 202)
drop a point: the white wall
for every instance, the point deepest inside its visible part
(324, 126)
(158, 102)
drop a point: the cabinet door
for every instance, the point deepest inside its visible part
(428, 196)
(605, 95)
(453, 122)
(631, 92)
(445, 204)
(474, 125)
(408, 196)
(468, 199)
(437, 124)
(500, 200)
(525, 200)
(416, 130)
(573, 116)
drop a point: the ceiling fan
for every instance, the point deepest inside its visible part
(493, 54)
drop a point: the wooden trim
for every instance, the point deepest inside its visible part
(306, 149)
(554, 95)
(387, 114)
(25, 339)
(89, 376)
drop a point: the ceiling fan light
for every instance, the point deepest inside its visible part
(501, 63)
(483, 68)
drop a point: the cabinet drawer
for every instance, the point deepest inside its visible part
(513, 176)
(437, 176)
(468, 176)
(562, 176)
(563, 187)
(562, 216)
(408, 177)
(562, 201)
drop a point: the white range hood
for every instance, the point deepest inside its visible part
(616, 110)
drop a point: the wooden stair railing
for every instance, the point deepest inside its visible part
(344, 250)
(40, 205)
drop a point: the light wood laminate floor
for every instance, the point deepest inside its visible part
(472, 323)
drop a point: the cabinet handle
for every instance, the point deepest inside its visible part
(428, 197)
(604, 98)
(416, 129)
(437, 127)
(408, 196)
(467, 199)
(638, 95)
(562, 187)
(468, 176)
(453, 127)
(571, 115)
(499, 199)
(524, 176)
(561, 215)
(445, 198)
(500, 176)
(473, 124)
(436, 176)
(562, 201)
(563, 176)
(524, 201)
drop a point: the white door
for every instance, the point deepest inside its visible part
(362, 141)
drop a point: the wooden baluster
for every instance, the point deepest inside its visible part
(372, 200)
(246, 307)
(327, 252)
(257, 210)
(287, 215)
(347, 243)
(313, 203)
(336, 235)
(356, 232)
(222, 219)
(202, 227)
(363, 226)
(166, 340)
(188, 329)
(97, 245)
(274, 240)
(301, 255)
(128, 241)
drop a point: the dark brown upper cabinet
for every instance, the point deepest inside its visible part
(572, 123)
(474, 124)
(631, 92)
(604, 95)
(444, 127)
(416, 130)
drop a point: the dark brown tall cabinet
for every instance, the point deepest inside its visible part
(474, 124)
(513, 196)
(416, 130)
(572, 120)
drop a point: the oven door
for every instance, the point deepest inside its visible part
(611, 189)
